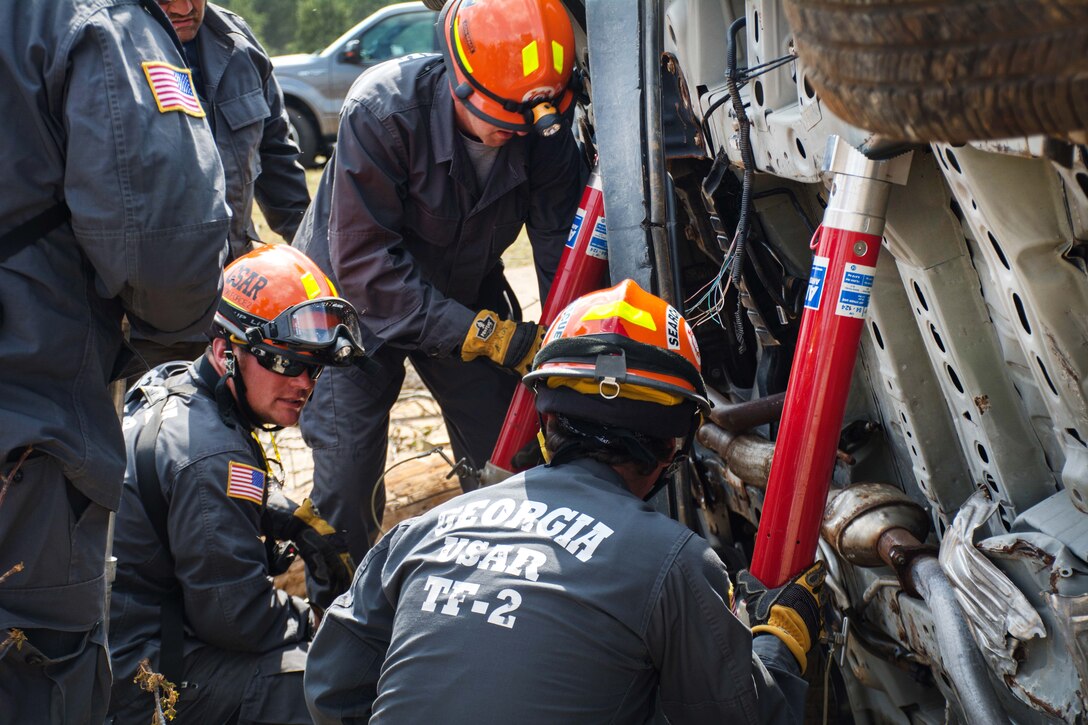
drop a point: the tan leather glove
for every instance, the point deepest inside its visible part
(510, 344)
(790, 612)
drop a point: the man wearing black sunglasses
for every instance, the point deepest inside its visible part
(194, 593)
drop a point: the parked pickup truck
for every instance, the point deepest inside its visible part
(315, 84)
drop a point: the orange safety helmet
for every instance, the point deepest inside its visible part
(279, 304)
(624, 357)
(510, 61)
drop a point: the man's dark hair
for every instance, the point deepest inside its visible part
(579, 438)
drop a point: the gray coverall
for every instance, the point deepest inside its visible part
(556, 596)
(400, 223)
(244, 640)
(245, 108)
(234, 80)
(146, 238)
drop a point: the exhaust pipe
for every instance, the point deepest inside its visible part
(747, 456)
(873, 524)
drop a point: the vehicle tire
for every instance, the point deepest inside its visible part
(948, 70)
(304, 133)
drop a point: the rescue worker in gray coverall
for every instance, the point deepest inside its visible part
(433, 176)
(193, 592)
(558, 595)
(243, 103)
(111, 204)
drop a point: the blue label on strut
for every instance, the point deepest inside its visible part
(816, 283)
(575, 226)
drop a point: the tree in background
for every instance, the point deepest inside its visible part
(301, 26)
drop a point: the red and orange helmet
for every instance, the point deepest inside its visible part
(624, 357)
(510, 61)
(279, 304)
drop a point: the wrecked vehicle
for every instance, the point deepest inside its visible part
(892, 308)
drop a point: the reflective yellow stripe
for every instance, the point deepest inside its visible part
(460, 51)
(310, 285)
(623, 310)
(530, 58)
(332, 288)
(557, 56)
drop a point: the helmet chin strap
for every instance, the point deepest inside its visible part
(677, 458)
(239, 401)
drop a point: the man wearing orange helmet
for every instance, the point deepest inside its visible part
(559, 595)
(193, 593)
(439, 163)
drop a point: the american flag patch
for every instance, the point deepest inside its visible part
(172, 88)
(245, 482)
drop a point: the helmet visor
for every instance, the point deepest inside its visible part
(314, 324)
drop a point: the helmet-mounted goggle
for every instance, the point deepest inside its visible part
(327, 327)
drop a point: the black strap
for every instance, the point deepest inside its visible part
(32, 230)
(172, 612)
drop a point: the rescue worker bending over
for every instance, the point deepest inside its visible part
(437, 168)
(193, 592)
(559, 595)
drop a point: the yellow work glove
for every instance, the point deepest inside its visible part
(791, 612)
(510, 344)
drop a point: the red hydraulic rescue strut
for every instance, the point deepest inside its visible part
(583, 268)
(827, 346)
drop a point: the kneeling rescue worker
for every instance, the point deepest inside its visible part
(193, 592)
(560, 595)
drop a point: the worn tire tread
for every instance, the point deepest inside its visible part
(957, 70)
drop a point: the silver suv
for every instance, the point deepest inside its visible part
(315, 84)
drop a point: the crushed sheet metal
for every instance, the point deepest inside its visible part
(1072, 618)
(1048, 676)
(993, 605)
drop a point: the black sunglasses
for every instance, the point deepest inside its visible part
(283, 365)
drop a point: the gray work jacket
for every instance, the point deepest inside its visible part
(212, 477)
(399, 221)
(250, 125)
(554, 597)
(147, 231)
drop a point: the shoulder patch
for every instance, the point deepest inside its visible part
(245, 482)
(172, 88)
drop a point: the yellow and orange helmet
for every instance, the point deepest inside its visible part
(510, 61)
(279, 304)
(630, 358)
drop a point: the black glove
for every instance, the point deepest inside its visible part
(791, 612)
(322, 548)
